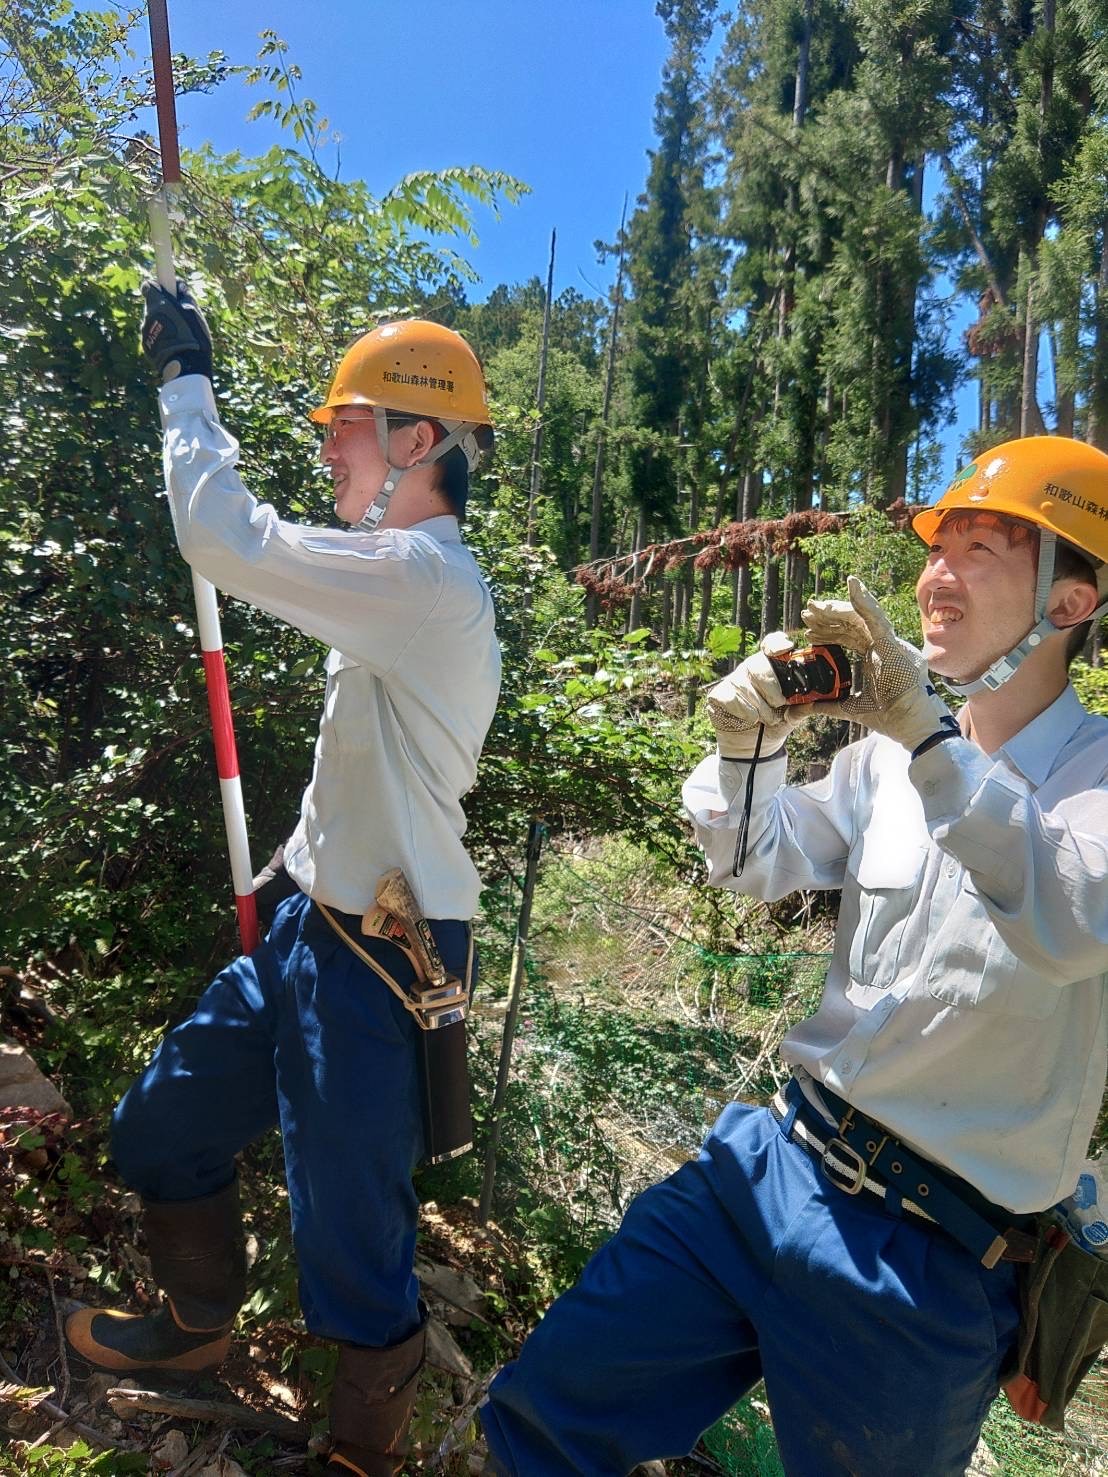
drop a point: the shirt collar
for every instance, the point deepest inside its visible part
(444, 527)
(1035, 749)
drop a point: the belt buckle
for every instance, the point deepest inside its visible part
(854, 1161)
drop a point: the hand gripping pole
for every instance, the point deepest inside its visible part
(207, 609)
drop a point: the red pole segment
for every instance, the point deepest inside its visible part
(207, 608)
(164, 99)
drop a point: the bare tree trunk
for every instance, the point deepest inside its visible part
(667, 609)
(771, 595)
(540, 402)
(634, 617)
(1064, 400)
(1097, 431)
(796, 579)
(705, 606)
(1031, 417)
(751, 496)
(592, 605)
(1031, 420)
(701, 634)
(803, 67)
(688, 573)
(955, 187)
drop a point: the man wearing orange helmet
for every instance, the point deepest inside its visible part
(305, 1032)
(855, 1245)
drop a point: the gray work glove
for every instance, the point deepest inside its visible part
(897, 698)
(175, 337)
(749, 696)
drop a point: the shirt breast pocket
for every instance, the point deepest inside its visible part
(973, 968)
(884, 912)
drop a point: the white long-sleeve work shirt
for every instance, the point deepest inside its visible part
(964, 1007)
(412, 677)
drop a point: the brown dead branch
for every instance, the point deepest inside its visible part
(215, 1412)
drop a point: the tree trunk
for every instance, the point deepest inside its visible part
(688, 573)
(634, 616)
(692, 690)
(592, 604)
(1031, 419)
(1097, 431)
(1064, 407)
(748, 506)
(771, 595)
(803, 67)
(796, 580)
(540, 402)
(705, 607)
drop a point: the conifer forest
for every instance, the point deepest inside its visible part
(835, 190)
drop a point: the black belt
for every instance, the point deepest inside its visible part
(859, 1156)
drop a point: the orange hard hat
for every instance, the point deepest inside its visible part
(415, 367)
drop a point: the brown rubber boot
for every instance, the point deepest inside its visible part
(198, 1260)
(371, 1406)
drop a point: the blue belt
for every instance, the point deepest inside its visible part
(861, 1157)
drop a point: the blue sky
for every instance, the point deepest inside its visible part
(560, 95)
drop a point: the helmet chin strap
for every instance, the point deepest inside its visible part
(377, 509)
(1008, 665)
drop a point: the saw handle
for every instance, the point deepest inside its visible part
(394, 893)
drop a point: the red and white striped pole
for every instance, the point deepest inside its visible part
(207, 609)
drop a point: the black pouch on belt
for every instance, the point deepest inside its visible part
(447, 1118)
(1063, 1325)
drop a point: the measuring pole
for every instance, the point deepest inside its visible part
(207, 609)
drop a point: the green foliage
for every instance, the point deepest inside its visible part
(77, 1460)
(114, 850)
(1023, 1450)
(583, 737)
(886, 560)
(572, 397)
(1091, 686)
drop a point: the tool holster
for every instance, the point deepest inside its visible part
(371, 1406)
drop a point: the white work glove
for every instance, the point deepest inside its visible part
(897, 698)
(749, 696)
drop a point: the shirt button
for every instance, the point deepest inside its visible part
(930, 786)
(951, 869)
(848, 1066)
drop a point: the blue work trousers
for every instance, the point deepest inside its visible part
(880, 1340)
(302, 1033)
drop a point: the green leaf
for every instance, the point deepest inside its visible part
(723, 640)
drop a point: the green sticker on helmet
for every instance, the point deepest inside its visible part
(962, 476)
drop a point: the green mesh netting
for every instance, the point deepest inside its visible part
(743, 1443)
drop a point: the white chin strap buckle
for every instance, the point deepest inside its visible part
(380, 504)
